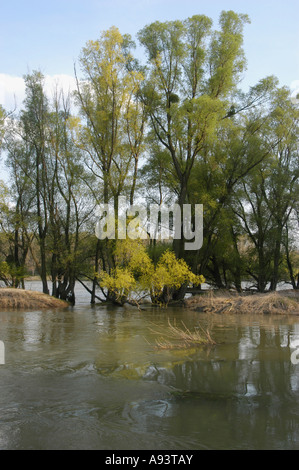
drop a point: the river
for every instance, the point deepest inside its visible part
(92, 378)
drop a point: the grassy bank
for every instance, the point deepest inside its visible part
(282, 302)
(26, 299)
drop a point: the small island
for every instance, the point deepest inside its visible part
(226, 302)
(11, 298)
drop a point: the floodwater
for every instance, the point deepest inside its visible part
(93, 378)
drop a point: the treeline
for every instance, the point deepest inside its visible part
(177, 128)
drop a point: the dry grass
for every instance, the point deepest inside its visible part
(180, 337)
(25, 299)
(282, 302)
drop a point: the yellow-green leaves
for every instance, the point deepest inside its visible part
(136, 274)
(169, 275)
(113, 134)
(226, 57)
(121, 283)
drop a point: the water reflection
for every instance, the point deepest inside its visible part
(91, 378)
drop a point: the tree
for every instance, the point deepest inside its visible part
(136, 276)
(47, 178)
(237, 150)
(21, 194)
(112, 132)
(186, 103)
(158, 175)
(291, 253)
(34, 132)
(200, 140)
(67, 203)
(112, 135)
(269, 194)
(282, 183)
(9, 272)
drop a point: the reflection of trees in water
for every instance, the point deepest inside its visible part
(39, 327)
(248, 386)
(255, 359)
(249, 400)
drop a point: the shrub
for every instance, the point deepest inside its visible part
(136, 275)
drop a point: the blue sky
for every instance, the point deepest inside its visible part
(48, 35)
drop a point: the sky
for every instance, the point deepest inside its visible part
(49, 35)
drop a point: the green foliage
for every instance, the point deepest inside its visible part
(10, 274)
(199, 140)
(5, 274)
(169, 275)
(227, 60)
(136, 275)
(112, 134)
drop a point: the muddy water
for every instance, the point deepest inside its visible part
(92, 378)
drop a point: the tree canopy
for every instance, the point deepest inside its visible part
(175, 128)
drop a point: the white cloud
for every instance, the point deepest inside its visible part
(295, 85)
(12, 89)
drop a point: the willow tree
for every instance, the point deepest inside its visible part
(67, 204)
(269, 195)
(282, 185)
(22, 201)
(113, 118)
(192, 70)
(13, 246)
(34, 132)
(227, 160)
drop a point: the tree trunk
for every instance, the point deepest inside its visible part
(43, 266)
(276, 262)
(96, 267)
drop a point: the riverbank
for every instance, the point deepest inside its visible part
(221, 302)
(27, 299)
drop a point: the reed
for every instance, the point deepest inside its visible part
(180, 337)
